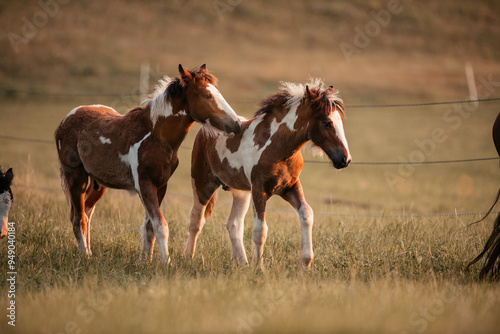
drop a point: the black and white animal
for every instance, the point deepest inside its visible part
(6, 199)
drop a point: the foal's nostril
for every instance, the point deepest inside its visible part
(346, 161)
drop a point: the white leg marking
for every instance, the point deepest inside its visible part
(306, 217)
(236, 223)
(259, 236)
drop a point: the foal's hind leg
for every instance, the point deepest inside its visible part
(235, 224)
(259, 234)
(295, 196)
(77, 182)
(201, 199)
(91, 197)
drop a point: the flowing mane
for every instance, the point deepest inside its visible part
(168, 88)
(290, 94)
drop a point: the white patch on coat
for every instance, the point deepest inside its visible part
(105, 140)
(74, 110)
(71, 113)
(181, 113)
(249, 153)
(131, 159)
(221, 102)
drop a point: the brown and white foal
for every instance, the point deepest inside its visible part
(99, 148)
(264, 160)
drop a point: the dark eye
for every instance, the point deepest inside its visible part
(327, 124)
(207, 96)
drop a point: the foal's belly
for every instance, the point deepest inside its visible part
(107, 168)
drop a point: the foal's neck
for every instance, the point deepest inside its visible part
(290, 141)
(171, 129)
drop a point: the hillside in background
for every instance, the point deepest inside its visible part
(370, 50)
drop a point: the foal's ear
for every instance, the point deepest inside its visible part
(309, 94)
(185, 75)
(9, 176)
(203, 68)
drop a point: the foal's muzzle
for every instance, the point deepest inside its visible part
(340, 160)
(234, 128)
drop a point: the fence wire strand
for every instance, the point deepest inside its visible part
(12, 91)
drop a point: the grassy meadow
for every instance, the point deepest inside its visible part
(378, 272)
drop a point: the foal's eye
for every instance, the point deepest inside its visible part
(207, 96)
(327, 124)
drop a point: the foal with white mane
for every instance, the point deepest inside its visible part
(6, 199)
(264, 160)
(99, 148)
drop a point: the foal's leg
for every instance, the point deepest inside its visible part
(91, 198)
(295, 196)
(77, 182)
(148, 231)
(235, 224)
(155, 226)
(201, 198)
(260, 228)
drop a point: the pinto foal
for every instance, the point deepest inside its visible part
(99, 148)
(265, 160)
(6, 199)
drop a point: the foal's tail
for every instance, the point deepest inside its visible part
(64, 185)
(491, 248)
(210, 205)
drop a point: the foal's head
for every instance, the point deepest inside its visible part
(326, 126)
(206, 104)
(6, 199)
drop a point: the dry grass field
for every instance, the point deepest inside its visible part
(383, 267)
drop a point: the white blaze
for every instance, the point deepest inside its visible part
(221, 102)
(339, 130)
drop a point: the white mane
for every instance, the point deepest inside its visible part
(158, 104)
(296, 92)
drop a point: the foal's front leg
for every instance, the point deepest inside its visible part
(295, 196)
(155, 224)
(260, 228)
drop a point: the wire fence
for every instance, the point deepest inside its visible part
(12, 91)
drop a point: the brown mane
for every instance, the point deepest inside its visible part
(272, 101)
